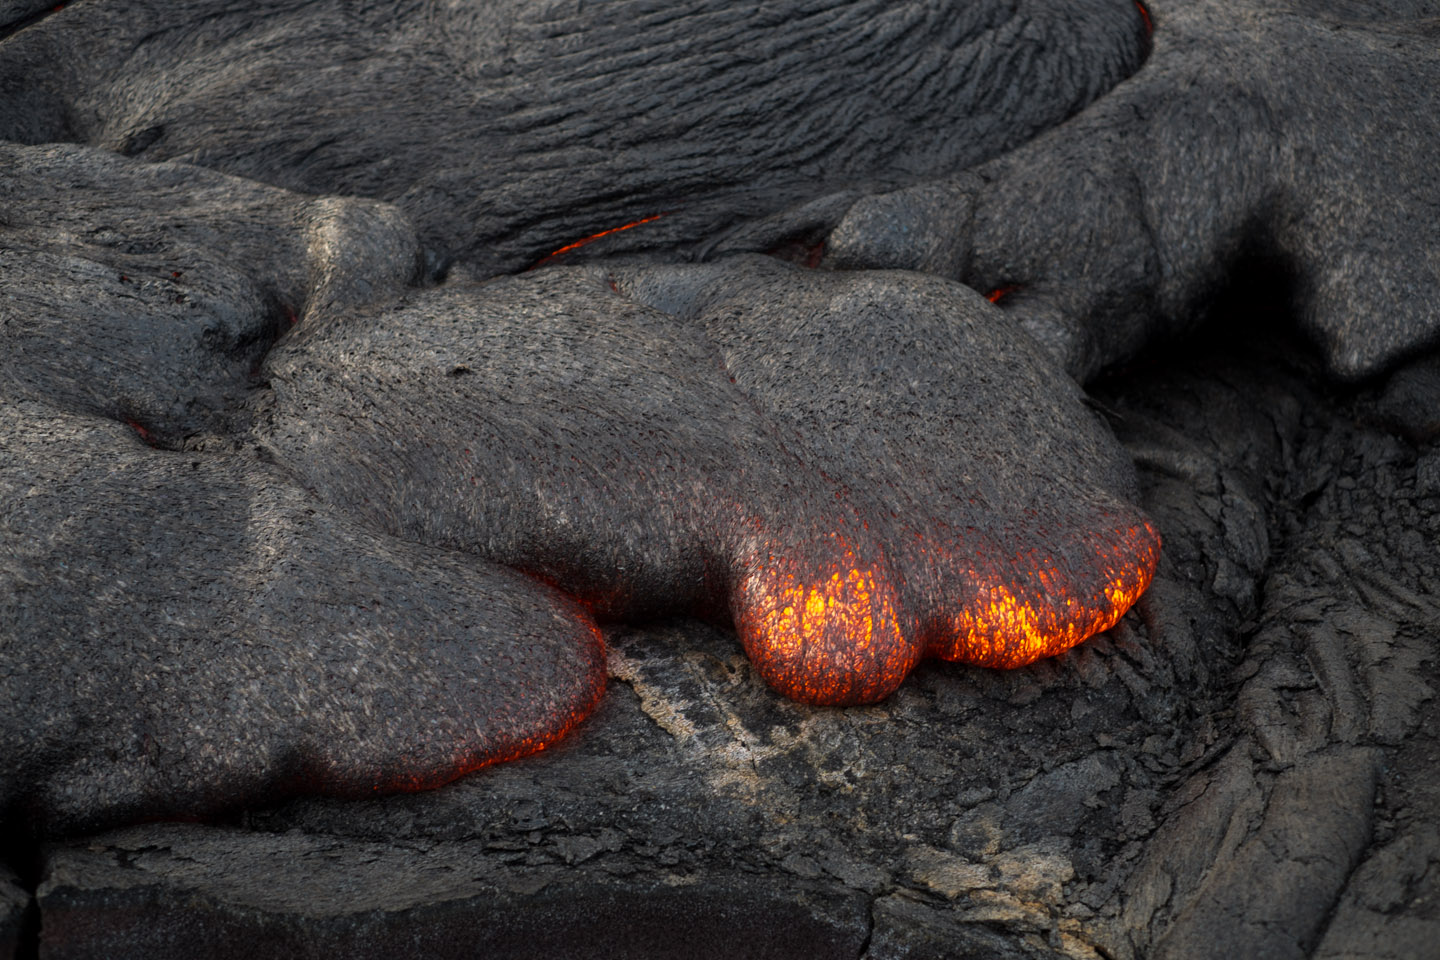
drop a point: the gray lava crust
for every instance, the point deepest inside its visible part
(313, 499)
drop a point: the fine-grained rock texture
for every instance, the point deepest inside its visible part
(509, 128)
(15, 907)
(185, 627)
(1245, 768)
(867, 469)
(205, 611)
(1300, 132)
(314, 498)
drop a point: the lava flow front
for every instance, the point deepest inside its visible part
(850, 638)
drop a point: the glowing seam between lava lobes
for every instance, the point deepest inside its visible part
(585, 241)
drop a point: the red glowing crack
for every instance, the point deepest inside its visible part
(586, 241)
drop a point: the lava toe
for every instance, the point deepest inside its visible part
(1003, 503)
(187, 633)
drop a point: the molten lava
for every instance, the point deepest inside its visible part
(826, 640)
(848, 637)
(1145, 16)
(584, 241)
(1002, 628)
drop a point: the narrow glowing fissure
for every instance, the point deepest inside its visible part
(140, 431)
(585, 241)
(1000, 293)
(1145, 16)
(813, 255)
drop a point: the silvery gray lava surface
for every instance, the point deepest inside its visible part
(376, 376)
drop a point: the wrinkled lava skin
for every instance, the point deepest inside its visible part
(1298, 134)
(726, 452)
(308, 487)
(255, 548)
(503, 144)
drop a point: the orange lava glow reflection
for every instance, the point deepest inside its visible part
(584, 241)
(834, 640)
(1003, 629)
(514, 738)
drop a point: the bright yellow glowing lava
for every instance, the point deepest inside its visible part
(832, 641)
(1003, 629)
(847, 638)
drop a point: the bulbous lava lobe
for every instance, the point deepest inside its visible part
(188, 626)
(184, 628)
(862, 470)
(219, 581)
(1301, 136)
(509, 128)
(187, 632)
(996, 517)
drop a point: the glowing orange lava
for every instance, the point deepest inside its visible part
(827, 640)
(1145, 15)
(847, 638)
(1000, 293)
(583, 241)
(1000, 628)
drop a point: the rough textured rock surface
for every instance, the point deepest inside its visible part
(185, 628)
(15, 910)
(760, 453)
(196, 891)
(237, 570)
(509, 128)
(1245, 764)
(1217, 150)
(866, 469)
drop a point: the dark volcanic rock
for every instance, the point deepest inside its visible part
(865, 469)
(184, 627)
(15, 909)
(1205, 775)
(150, 292)
(241, 563)
(186, 631)
(193, 623)
(1296, 132)
(509, 128)
(163, 892)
